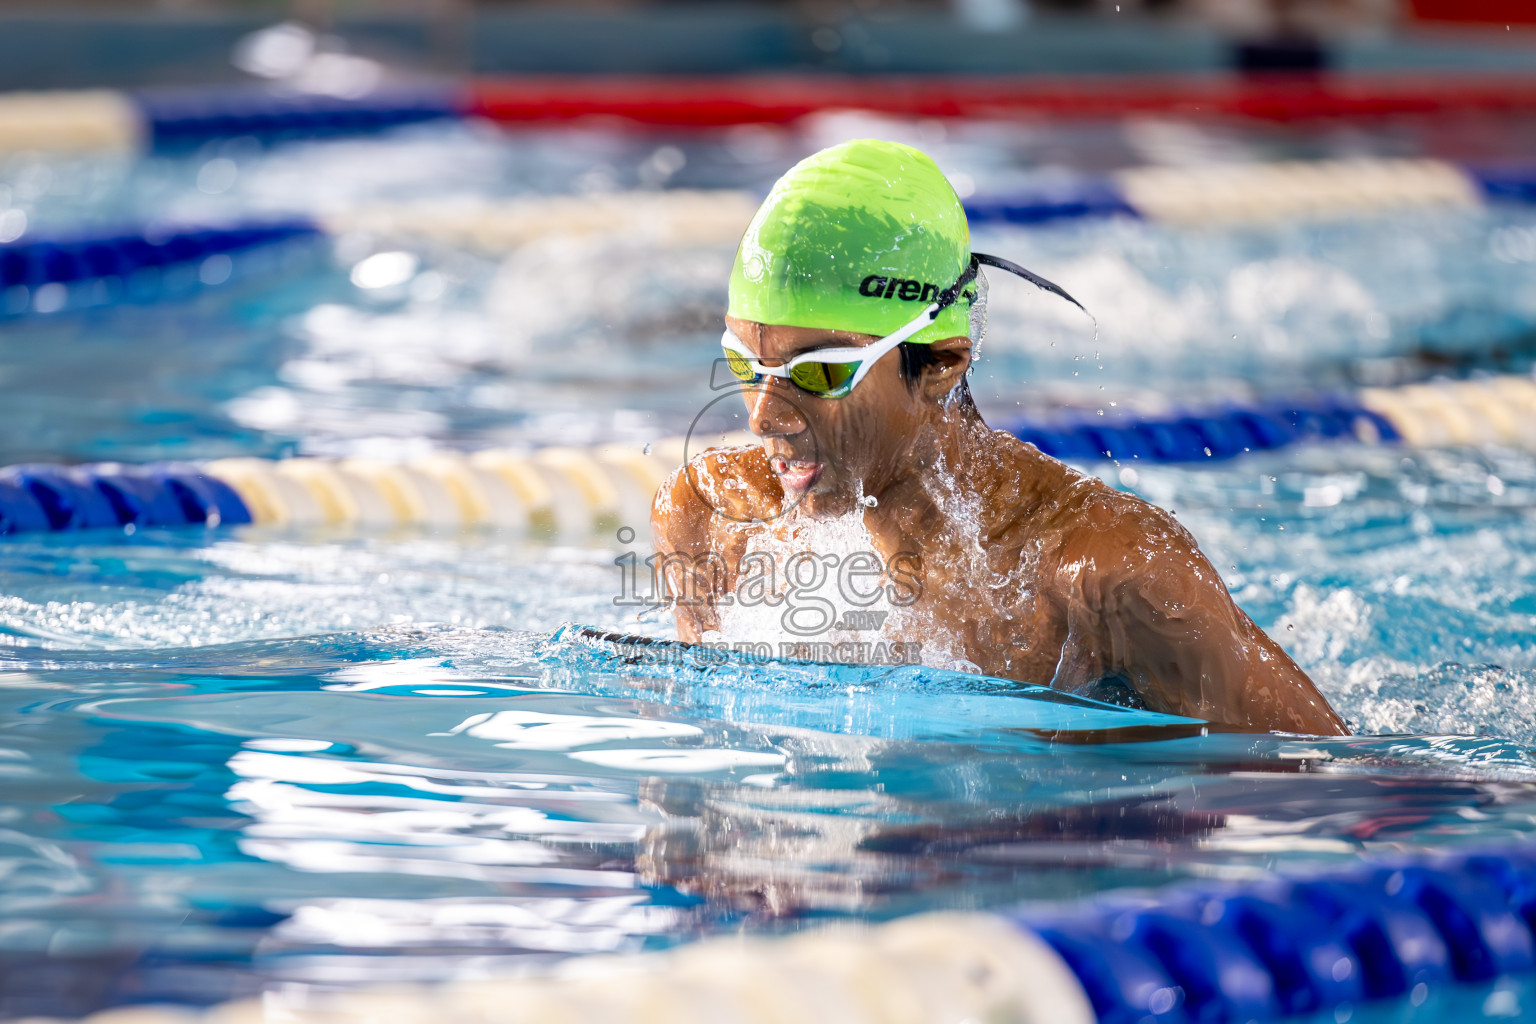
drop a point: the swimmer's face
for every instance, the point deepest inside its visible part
(829, 452)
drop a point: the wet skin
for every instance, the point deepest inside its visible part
(1030, 569)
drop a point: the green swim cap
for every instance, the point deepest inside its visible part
(859, 237)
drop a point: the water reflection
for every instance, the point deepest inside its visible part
(348, 807)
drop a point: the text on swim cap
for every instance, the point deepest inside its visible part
(876, 287)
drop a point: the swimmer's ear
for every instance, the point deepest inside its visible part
(951, 357)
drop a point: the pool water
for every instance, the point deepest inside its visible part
(245, 758)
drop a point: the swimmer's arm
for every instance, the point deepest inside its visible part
(680, 524)
(1169, 626)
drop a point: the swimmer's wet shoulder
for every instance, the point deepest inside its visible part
(1132, 597)
(1028, 569)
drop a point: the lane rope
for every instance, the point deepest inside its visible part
(185, 117)
(43, 275)
(100, 120)
(571, 494)
(927, 968)
(1380, 929)
(1383, 928)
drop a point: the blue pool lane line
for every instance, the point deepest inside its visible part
(46, 275)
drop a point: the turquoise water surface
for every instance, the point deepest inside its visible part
(247, 757)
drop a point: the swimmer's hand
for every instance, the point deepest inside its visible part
(701, 518)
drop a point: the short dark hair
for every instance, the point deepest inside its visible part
(915, 358)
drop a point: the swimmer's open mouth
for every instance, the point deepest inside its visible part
(797, 475)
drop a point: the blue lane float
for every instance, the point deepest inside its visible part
(37, 274)
(110, 496)
(183, 119)
(1511, 183)
(1276, 948)
(1086, 198)
(1221, 434)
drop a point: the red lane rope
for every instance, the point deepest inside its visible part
(716, 101)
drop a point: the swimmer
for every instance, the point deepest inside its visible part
(849, 328)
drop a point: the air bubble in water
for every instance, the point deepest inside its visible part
(870, 501)
(646, 450)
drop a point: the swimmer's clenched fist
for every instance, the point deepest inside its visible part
(1030, 570)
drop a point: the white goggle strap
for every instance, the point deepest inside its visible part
(890, 341)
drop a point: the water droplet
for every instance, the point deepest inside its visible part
(870, 501)
(1289, 626)
(646, 450)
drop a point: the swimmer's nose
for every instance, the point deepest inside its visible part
(770, 412)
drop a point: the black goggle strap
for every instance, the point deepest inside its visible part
(1028, 275)
(949, 295)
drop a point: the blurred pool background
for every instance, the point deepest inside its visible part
(246, 757)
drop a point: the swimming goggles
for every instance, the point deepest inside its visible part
(834, 372)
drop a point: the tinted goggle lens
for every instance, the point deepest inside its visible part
(740, 367)
(821, 378)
